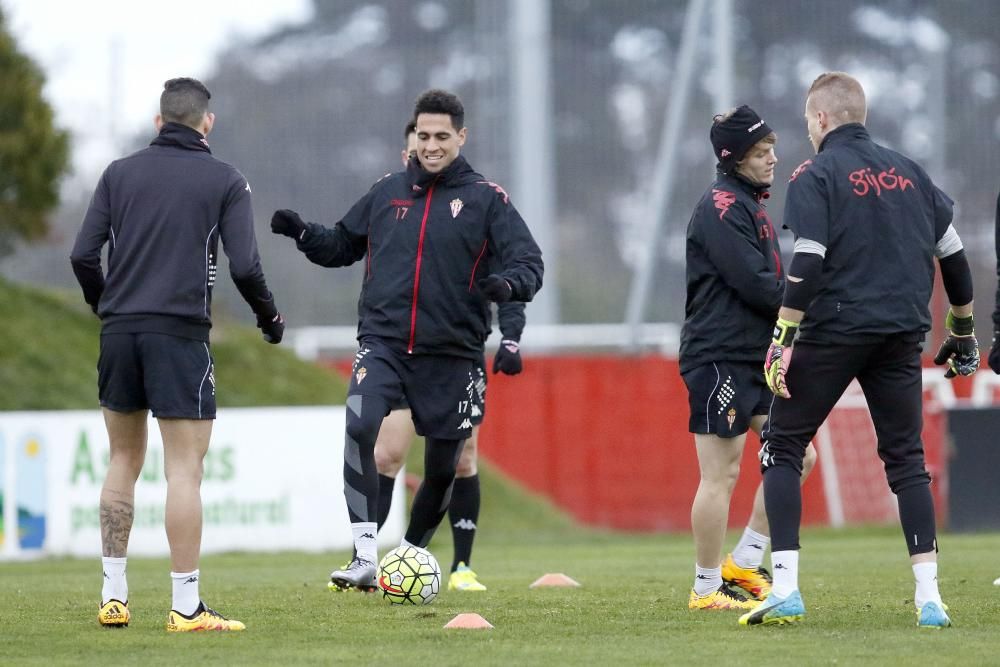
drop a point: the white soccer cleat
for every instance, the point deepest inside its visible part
(359, 573)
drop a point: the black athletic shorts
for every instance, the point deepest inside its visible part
(441, 390)
(725, 396)
(171, 376)
(478, 397)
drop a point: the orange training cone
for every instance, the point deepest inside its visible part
(469, 622)
(554, 579)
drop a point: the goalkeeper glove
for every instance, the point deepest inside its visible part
(960, 350)
(779, 356)
(508, 359)
(995, 353)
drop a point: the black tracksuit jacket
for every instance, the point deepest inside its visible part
(427, 239)
(880, 217)
(164, 210)
(735, 281)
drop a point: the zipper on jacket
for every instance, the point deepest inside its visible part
(416, 276)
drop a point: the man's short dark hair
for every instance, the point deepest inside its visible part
(441, 101)
(185, 101)
(410, 128)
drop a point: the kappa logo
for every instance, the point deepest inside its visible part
(465, 424)
(723, 200)
(465, 524)
(724, 153)
(361, 374)
(499, 190)
(799, 169)
(456, 207)
(368, 535)
(191, 580)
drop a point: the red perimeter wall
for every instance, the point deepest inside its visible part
(606, 439)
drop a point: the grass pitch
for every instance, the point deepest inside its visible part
(631, 609)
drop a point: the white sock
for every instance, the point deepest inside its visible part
(785, 571)
(749, 551)
(186, 598)
(707, 579)
(115, 584)
(366, 540)
(404, 543)
(927, 585)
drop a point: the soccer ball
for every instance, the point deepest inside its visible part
(409, 575)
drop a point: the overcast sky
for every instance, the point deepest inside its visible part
(105, 61)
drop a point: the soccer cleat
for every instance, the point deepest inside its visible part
(776, 611)
(933, 615)
(114, 614)
(359, 573)
(464, 579)
(203, 619)
(723, 598)
(755, 581)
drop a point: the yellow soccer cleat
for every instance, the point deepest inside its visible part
(720, 599)
(203, 619)
(756, 581)
(114, 614)
(464, 579)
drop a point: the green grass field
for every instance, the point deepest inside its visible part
(631, 609)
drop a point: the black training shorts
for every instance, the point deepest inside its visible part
(441, 390)
(725, 396)
(171, 376)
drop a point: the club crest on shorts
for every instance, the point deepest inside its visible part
(456, 207)
(731, 416)
(360, 375)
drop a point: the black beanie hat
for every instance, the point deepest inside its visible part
(734, 136)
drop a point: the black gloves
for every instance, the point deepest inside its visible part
(508, 359)
(960, 350)
(995, 353)
(271, 328)
(493, 287)
(288, 223)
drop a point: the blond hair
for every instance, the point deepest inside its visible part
(840, 95)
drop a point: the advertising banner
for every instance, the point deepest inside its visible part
(273, 481)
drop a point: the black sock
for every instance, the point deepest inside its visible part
(463, 513)
(783, 503)
(434, 495)
(916, 515)
(385, 487)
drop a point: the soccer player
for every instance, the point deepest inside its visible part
(397, 432)
(868, 222)
(734, 286)
(440, 243)
(164, 211)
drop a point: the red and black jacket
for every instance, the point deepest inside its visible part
(880, 217)
(735, 280)
(427, 239)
